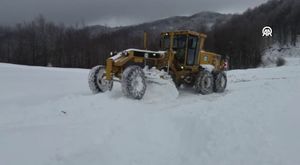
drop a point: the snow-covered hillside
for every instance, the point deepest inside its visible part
(276, 51)
(48, 116)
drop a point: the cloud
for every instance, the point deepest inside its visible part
(112, 12)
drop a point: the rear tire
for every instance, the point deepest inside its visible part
(133, 82)
(97, 81)
(204, 82)
(220, 82)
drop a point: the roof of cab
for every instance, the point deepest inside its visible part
(184, 32)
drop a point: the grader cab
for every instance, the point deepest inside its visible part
(182, 57)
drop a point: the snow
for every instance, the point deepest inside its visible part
(208, 67)
(146, 51)
(276, 51)
(160, 86)
(119, 54)
(48, 116)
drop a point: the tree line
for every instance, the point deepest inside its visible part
(45, 43)
(241, 37)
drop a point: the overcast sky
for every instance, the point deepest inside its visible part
(113, 12)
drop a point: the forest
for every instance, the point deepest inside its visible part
(44, 43)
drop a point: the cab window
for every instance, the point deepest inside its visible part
(180, 47)
(192, 50)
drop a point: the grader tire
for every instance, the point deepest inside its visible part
(97, 82)
(204, 83)
(133, 82)
(220, 82)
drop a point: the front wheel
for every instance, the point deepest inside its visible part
(204, 82)
(97, 81)
(133, 82)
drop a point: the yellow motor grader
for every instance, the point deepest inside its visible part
(182, 57)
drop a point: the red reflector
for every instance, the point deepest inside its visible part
(225, 65)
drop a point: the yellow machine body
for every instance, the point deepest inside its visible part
(182, 55)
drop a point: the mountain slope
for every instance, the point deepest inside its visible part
(49, 116)
(193, 22)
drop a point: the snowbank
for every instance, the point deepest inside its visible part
(160, 86)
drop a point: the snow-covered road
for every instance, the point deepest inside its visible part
(48, 116)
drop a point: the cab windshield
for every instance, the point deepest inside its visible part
(179, 46)
(179, 42)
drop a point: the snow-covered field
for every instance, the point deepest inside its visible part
(48, 116)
